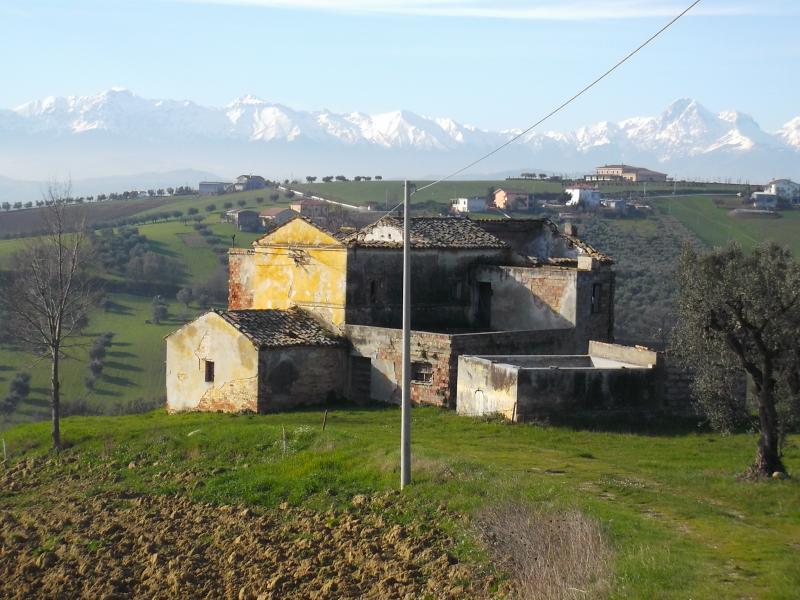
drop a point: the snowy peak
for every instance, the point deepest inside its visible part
(685, 131)
(790, 133)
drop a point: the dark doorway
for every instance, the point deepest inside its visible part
(484, 316)
(360, 379)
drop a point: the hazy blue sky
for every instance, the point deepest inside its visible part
(492, 63)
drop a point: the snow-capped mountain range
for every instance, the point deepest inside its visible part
(117, 131)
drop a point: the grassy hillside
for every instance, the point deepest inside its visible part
(676, 521)
(134, 372)
(390, 193)
(715, 226)
(645, 252)
(134, 365)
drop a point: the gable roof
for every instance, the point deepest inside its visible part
(426, 232)
(275, 211)
(272, 328)
(332, 238)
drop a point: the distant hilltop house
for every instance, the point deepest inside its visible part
(245, 183)
(784, 189)
(622, 173)
(244, 219)
(511, 199)
(315, 314)
(587, 197)
(311, 208)
(764, 200)
(212, 188)
(618, 205)
(468, 205)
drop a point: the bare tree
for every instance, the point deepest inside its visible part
(48, 294)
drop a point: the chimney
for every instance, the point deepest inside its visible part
(570, 229)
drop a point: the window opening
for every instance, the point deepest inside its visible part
(209, 370)
(421, 372)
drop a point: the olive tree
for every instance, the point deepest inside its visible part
(48, 293)
(740, 312)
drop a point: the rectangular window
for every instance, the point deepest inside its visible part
(421, 372)
(597, 294)
(209, 364)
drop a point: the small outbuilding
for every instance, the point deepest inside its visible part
(244, 219)
(253, 360)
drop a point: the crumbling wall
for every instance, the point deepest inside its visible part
(440, 286)
(383, 346)
(537, 238)
(295, 265)
(566, 392)
(241, 265)
(486, 388)
(539, 387)
(529, 297)
(594, 319)
(300, 376)
(211, 338)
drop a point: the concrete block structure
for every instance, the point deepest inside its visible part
(608, 378)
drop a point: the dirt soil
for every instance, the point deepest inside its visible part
(63, 541)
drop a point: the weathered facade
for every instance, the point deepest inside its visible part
(608, 378)
(478, 287)
(258, 361)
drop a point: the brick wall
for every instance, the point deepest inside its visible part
(240, 288)
(441, 350)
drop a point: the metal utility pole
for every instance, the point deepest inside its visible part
(405, 426)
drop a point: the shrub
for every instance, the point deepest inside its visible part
(18, 391)
(550, 555)
(96, 367)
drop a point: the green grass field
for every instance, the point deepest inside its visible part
(390, 193)
(679, 522)
(134, 365)
(716, 227)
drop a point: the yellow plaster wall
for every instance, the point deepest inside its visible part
(235, 385)
(299, 265)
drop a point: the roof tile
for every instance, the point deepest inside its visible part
(272, 328)
(430, 232)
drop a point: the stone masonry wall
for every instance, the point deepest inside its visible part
(384, 347)
(300, 376)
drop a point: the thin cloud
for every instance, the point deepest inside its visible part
(567, 10)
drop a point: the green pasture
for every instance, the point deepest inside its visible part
(134, 364)
(390, 193)
(680, 523)
(716, 227)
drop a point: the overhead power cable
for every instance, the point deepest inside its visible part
(563, 104)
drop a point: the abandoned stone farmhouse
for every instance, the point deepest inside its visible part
(315, 315)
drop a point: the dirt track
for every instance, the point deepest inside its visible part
(68, 544)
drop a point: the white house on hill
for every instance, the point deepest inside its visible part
(785, 189)
(467, 205)
(587, 197)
